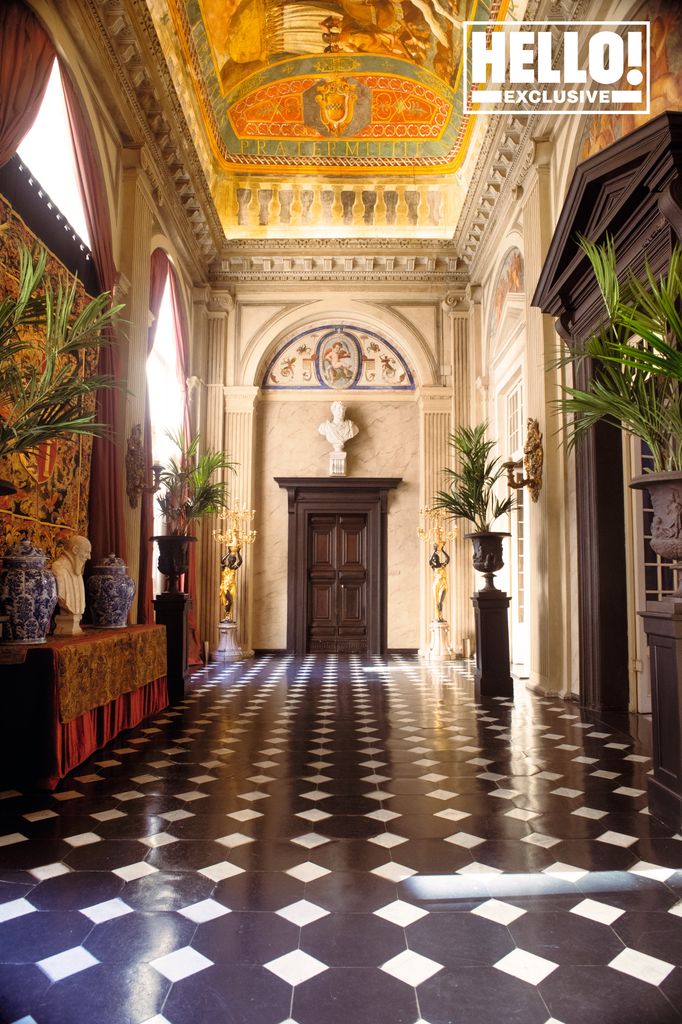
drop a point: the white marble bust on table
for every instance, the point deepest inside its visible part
(68, 569)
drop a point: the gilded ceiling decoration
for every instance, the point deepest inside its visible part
(317, 84)
(331, 117)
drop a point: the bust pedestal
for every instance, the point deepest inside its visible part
(67, 624)
(228, 649)
(439, 649)
(337, 463)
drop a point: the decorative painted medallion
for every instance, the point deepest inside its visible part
(340, 357)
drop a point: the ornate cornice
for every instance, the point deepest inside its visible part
(127, 34)
(348, 260)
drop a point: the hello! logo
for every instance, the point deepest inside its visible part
(586, 67)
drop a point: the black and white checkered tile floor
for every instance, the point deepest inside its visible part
(337, 840)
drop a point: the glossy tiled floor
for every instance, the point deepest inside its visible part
(335, 841)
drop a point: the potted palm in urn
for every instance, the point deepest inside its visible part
(471, 495)
(190, 493)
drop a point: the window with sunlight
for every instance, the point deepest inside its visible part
(166, 399)
(47, 151)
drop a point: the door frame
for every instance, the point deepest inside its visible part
(366, 495)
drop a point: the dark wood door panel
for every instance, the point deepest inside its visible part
(352, 606)
(322, 541)
(352, 542)
(322, 603)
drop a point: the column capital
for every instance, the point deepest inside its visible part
(138, 166)
(241, 398)
(220, 303)
(542, 151)
(435, 399)
(474, 293)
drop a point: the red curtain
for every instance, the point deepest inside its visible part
(182, 360)
(106, 529)
(158, 270)
(26, 58)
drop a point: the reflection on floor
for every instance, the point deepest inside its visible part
(333, 840)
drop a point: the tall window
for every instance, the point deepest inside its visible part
(166, 399)
(47, 151)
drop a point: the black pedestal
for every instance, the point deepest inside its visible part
(663, 626)
(492, 676)
(172, 611)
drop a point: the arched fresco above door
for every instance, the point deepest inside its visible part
(338, 357)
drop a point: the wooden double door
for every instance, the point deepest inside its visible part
(337, 568)
(337, 571)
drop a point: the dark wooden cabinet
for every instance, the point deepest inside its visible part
(630, 192)
(336, 594)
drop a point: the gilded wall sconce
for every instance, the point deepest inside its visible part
(527, 472)
(135, 469)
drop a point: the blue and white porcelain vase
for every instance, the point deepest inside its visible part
(110, 593)
(28, 594)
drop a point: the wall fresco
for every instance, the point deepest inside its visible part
(340, 357)
(665, 17)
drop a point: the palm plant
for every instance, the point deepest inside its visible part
(43, 386)
(190, 490)
(471, 490)
(637, 359)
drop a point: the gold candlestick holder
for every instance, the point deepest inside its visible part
(436, 531)
(235, 534)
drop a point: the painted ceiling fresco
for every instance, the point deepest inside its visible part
(320, 85)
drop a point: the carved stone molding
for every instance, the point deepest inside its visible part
(126, 33)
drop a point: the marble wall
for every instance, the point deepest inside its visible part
(288, 444)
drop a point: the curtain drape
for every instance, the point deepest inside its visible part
(158, 275)
(181, 363)
(26, 58)
(106, 523)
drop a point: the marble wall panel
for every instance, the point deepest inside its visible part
(288, 444)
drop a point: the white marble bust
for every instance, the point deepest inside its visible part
(338, 429)
(68, 569)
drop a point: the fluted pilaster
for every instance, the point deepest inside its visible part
(211, 317)
(134, 264)
(435, 407)
(461, 570)
(240, 414)
(548, 534)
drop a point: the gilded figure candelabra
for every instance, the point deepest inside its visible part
(234, 534)
(437, 533)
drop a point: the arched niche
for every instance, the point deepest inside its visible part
(410, 345)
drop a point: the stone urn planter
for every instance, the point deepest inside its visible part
(487, 557)
(173, 558)
(665, 491)
(28, 594)
(110, 593)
